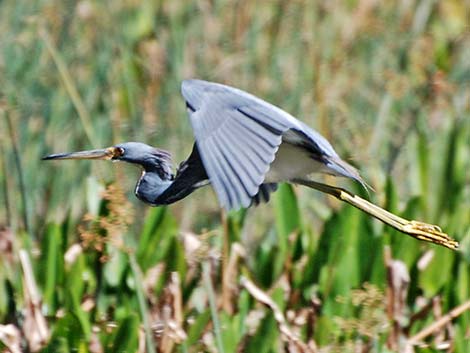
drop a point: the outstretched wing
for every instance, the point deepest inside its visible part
(237, 136)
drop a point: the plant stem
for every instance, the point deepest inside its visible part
(19, 168)
(142, 303)
(210, 293)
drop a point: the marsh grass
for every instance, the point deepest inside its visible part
(387, 83)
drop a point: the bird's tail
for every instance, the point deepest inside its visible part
(342, 168)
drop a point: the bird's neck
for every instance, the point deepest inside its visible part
(151, 185)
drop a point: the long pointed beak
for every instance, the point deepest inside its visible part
(105, 153)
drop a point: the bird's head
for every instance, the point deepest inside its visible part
(150, 158)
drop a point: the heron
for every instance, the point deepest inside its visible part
(244, 147)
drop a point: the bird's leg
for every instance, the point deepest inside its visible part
(418, 230)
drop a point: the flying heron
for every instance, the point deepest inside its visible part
(244, 147)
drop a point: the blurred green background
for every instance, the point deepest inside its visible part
(388, 83)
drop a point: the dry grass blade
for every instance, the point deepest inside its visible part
(35, 327)
(419, 230)
(10, 336)
(438, 324)
(262, 297)
(230, 274)
(172, 316)
(398, 281)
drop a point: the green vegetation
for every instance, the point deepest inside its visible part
(85, 267)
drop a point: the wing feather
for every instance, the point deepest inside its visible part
(236, 145)
(241, 194)
(250, 151)
(259, 115)
(259, 148)
(238, 135)
(241, 169)
(265, 135)
(225, 174)
(215, 173)
(235, 175)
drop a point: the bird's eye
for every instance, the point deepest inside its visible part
(118, 152)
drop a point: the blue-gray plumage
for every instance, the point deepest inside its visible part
(244, 142)
(244, 147)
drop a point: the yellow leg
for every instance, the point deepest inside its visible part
(418, 230)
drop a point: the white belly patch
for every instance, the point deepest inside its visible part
(292, 162)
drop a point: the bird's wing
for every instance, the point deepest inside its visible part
(237, 136)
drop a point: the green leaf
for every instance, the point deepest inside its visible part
(197, 328)
(52, 266)
(287, 222)
(66, 335)
(126, 338)
(115, 267)
(156, 238)
(433, 278)
(287, 211)
(266, 337)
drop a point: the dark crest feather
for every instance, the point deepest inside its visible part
(161, 162)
